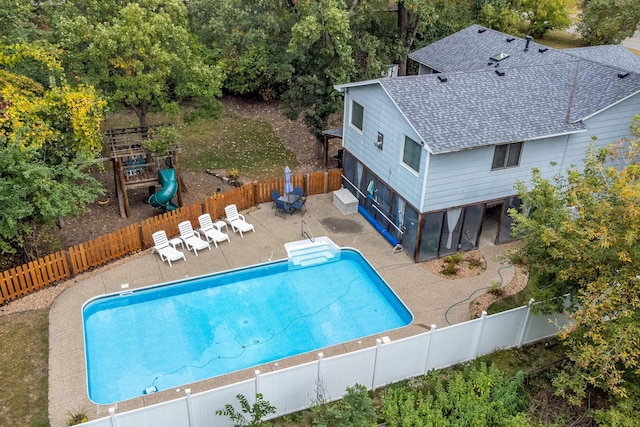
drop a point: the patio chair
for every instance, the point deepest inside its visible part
(165, 250)
(211, 231)
(299, 204)
(283, 207)
(274, 196)
(236, 220)
(191, 238)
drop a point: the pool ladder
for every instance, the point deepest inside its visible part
(306, 231)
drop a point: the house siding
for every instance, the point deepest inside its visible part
(381, 115)
(465, 177)
(609, 126)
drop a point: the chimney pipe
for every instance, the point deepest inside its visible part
(526, 46)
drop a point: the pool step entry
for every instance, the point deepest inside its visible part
(303, 253)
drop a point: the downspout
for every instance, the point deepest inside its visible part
(424, 181)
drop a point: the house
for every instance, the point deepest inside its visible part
(434, 157)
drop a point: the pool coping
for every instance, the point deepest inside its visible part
(432, 300)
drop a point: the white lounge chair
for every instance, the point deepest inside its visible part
(237, 221)
(212, 231)
(191, 238)
(165, 250)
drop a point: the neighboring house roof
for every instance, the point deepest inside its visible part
(472, 48)
(529, 95)
(613, 55)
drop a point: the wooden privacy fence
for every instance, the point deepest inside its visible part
(46, 271)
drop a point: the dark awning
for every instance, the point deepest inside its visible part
(333, 133)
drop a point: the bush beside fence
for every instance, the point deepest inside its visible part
(46, 271)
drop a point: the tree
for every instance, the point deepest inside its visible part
(49, 137)
(248, 40)
(580, 240)
(499, 15)
(18, 21)
(413, 15)
(321, 56)
(609, 21)
(547, 15)
(140, 55)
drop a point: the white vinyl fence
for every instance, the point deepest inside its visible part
(297, 388)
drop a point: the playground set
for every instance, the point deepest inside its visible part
(136, 167)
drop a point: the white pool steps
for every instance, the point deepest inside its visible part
(307, 252)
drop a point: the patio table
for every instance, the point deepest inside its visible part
(289, 199)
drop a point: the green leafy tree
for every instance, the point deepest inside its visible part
(248, 40)
(546, 15)
(609, 21)
(581, 232)
(18, 21)
(499, 15)
(139, 54)
(49, 137)
(413, 16)
(321, 55)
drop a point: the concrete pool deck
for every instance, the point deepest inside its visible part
(431, 299)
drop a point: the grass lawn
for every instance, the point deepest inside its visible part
(234, 142)
(230, 142)
(558, 39)
(24, 360)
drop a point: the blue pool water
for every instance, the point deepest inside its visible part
(173, 334)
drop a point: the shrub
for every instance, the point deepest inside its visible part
(233, 174)
(449, 269)
(355, 409)
(257, 411)
(475, 396)
(453, 258)
(77, 417)
(496, 289)
(475, 261)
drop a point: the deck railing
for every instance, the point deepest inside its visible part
(51, 269)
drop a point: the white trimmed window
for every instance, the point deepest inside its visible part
(506, 156)
(357, 115)
(411, 154)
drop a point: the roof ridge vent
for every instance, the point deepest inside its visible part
(500, 73)
(622, 75)
(510, 39)
(442, 78)
(543, 49)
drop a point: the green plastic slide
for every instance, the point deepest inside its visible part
(162, 198)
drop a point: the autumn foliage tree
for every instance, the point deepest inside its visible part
(581, 233)
(49, 137)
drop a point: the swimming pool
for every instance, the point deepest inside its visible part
(168, 335)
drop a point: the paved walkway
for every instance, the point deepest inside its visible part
(632, 42)
(429, 297)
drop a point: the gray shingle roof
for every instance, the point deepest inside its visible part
(472, 48)
(613, 55)
(478, 108)
(542, 92)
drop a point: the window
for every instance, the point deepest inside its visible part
(506, 156)
(357, 115)
(411, 154)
